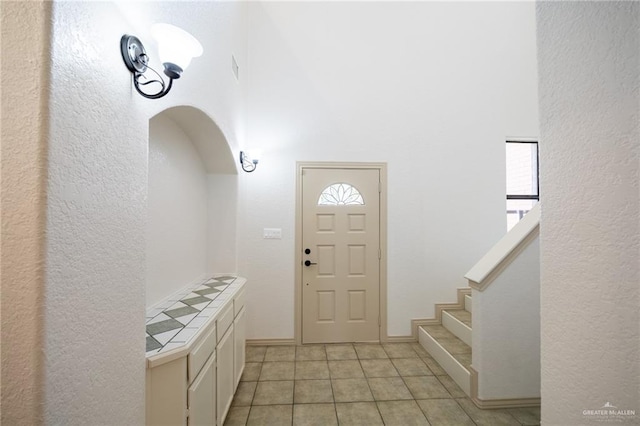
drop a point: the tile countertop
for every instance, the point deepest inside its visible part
(173, 324)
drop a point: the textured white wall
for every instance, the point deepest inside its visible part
(97, 193)
(177, 211)
(222, 198)
(506, 330)
(25, 34)
(589, 62)
(96, 214)
(431, 88)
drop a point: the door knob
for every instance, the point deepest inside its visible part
(309, 263)
(307, 251)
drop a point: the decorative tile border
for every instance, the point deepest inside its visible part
(174, 322)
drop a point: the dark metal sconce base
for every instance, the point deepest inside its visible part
(246, 164)
(133, 53)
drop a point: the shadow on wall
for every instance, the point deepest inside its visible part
(192, 198)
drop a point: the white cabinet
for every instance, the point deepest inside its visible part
(225, 374)
(239, 338)
(194, 385)
(202, 394)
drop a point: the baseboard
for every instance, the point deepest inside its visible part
(400, 339)
(461, 292)
(444, 306)
(494, 404)
(487, 404)
(416, 323)
(282, 342)
(270, 342)
(439, 307)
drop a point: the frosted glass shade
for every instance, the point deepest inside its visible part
(175, 45)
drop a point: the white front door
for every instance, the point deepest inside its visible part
(341, 255)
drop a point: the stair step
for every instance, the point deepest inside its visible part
(456, 347)
(467, 303)
(458, 322)
(461, 315)
(453, 355)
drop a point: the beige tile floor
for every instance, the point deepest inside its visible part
(356, 384)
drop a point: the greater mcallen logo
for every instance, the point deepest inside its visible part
(609, 412)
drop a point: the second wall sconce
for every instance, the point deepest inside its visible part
(248, 164)
(176, 48)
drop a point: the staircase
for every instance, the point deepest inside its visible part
(506, 333)
(447, 338)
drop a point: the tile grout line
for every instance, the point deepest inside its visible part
(465, 411)
(333, 396)
(407, 386)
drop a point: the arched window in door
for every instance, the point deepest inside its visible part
(340, 194)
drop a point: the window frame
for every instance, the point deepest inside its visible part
(522, 196)
(535, 197)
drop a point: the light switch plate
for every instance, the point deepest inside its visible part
(272, 233)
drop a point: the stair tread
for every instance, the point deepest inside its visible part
(464, 359)
(461, 315)
(456, 347)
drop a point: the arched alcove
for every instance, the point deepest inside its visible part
(192, 198)
(206, 136)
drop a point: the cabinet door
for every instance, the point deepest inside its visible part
(167, 393)
(239, 338)
(202, 396)
(224, 378)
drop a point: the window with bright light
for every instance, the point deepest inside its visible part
(522, 179)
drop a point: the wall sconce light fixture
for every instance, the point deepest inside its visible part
(176, 48)
(248, 164)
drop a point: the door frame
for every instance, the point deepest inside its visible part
(382, 168)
